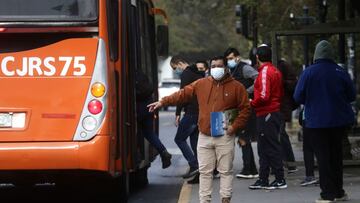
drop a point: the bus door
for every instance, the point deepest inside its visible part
(143, 62)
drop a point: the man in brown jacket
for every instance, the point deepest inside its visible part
(215, 93)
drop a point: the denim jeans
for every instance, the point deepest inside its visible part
(146, 126)
(188, 128)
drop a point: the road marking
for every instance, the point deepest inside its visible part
(185, 193)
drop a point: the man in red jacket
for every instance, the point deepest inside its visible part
(216, 93)
(268, 92)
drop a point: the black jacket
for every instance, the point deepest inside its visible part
(288, 103)
(188, 76)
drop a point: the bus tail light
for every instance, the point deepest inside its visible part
(97, 89)
(95, 105)
(89, 123)
(2, 29)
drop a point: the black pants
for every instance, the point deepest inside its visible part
(308, 151)
(288, 153)
(328, 151)
(249, 165)
(269, 145)
(248, 157)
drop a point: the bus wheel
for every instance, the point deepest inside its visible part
(117, 189)
(24, 185)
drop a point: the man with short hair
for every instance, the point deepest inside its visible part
(217, 93)
(202, 66)
(268, 93)
(246, 75)
(187, 126)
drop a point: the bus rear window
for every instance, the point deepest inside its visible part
(48, 10)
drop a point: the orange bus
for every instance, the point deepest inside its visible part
(68, 80)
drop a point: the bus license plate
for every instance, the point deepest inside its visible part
(5, 120)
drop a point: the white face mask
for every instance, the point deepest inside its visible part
(217, 73)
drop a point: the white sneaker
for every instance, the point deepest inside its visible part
(321, 200)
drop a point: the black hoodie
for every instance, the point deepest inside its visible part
(189, 75)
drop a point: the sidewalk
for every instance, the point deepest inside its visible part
(293, 194)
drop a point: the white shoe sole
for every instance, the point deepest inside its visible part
(247, 176)
(274, 188)
(309, 183)
(256, 188)
(342, 199)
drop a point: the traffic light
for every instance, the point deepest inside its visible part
(242, 25)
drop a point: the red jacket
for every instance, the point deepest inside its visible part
(268, 90)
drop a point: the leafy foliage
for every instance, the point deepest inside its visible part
(208, 26)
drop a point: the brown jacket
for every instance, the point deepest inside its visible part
(214, 96)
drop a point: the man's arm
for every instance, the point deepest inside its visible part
(250, 72)
(350, 88)
(299, 94)
(262, 93)
(181, 96)
(179, 107)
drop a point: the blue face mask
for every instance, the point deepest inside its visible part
(178, 71)
(232, 63)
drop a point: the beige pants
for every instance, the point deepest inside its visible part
(213, 151)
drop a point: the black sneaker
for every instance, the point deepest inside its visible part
(277, 184)
(195, 180)
(191, 173)
(165, 159)
(292, 169)
(309, 180)
(259, 184)
(255, 174)
(244, 174)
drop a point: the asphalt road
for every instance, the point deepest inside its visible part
(164, 184)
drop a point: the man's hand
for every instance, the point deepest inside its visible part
(153, 106)
(177, 120)
(242, 142)
(230, 130)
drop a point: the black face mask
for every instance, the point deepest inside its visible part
(202, 73)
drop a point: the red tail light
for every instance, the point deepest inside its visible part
(2, 29)
(95, 106)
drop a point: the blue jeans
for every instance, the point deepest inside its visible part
(146, 126)
(188, 128)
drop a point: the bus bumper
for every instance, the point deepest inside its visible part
(91, 155)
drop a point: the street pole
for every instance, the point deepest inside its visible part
(254, 25)
(341, 17)
(306, 38)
